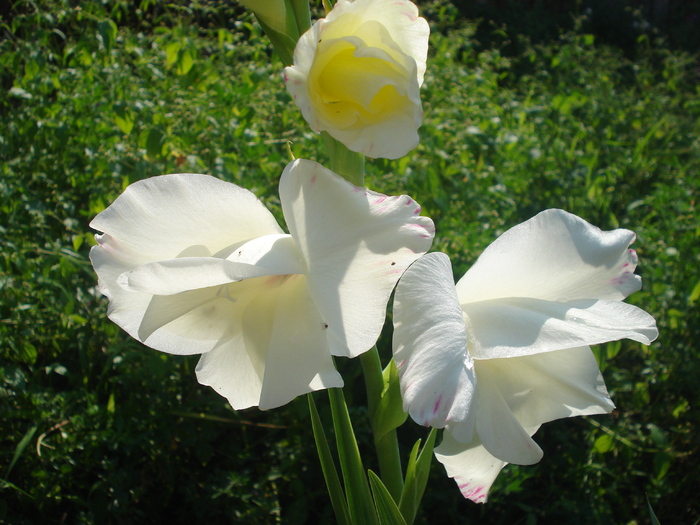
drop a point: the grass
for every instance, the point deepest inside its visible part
(99, 429)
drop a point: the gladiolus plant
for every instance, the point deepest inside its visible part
(192, 264)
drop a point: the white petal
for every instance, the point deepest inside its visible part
(536, 389)
(278, 253)
(185, 216)
(268, 255)
(554, 256)
(162, 217)
(430, 344)
(285, 325)
(280, 351)
(296, 77)
(544, 387)
(174, 276)
(229, 370)
(197, 321)
(356, 244)
(472, 467)
(497, 427)
(125, 308)
(389, 138)
(522, 326)
(399, 17)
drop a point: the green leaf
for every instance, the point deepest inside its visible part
(389, 414)
(387, 510)
(29, 353)
(172, 50)
(335, 490)
(125, 124)
(695, 294)
(123, 117)
(185, 61)
(604, 443)
(111, 404)
(31, 70)
(19, 449)
(662, 463)
(108, 31)
(652, 517)
(360, 503)
(154, 142)
(417, 473)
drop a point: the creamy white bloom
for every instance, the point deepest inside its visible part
(195, 265)
(507, 349)
(357, 75)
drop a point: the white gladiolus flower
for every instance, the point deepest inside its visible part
(357, 75)
(195, 265)
(507, 349)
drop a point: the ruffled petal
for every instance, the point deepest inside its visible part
(191, 322)
(400, 18)
(498, 429)
(285, 327)
(264, 256)
(470, 465)
(188, 273)
(229, 370)
(522, 326)
(356, 244)
(296, 77)
(279, 350)
(430, 345)
(162, 217)
(555, 256)
(544, 387)
(536, 389)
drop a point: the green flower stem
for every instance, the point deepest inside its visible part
(348, 164)
(302, 15)
(359, 498)
(386, 445)
(283, 44)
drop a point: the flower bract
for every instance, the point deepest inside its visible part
(507, 349)
(357, 75)
(195, 265)
(273, 12)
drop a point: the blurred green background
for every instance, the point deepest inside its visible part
(528, 106)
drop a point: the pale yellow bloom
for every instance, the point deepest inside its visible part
(357, 75)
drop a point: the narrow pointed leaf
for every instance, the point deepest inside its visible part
(335, 490)
(387, 510)
(416, 477)
(652, 516)
(360, 503)
(19, 449)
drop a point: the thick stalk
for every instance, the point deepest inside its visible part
(348, 164)
(386, 445)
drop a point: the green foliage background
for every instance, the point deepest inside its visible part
(96, 428)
